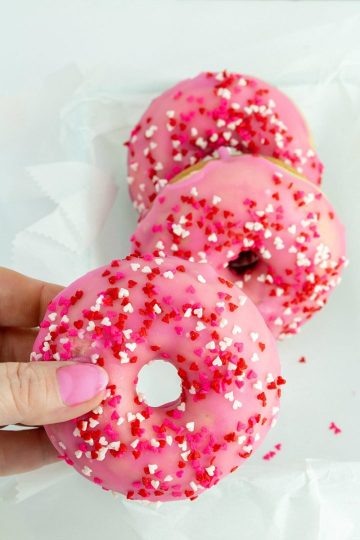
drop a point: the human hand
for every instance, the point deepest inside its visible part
(35, 393)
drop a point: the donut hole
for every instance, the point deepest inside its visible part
(159, 384)
(245, 261)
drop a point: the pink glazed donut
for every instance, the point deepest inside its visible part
(270, 231)
(123, 316)
(197, 116)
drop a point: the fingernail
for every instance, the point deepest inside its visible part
(80, 382)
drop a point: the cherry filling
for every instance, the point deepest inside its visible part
(246, 260)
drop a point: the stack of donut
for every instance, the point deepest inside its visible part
(236, 245)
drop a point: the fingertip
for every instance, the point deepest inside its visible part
(81, 382)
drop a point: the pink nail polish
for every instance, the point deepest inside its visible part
(80, 382)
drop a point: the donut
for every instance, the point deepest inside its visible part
(123, 316)
(191, 120)
(268, 230)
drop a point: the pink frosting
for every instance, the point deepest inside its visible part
(250, 204)
(130, 312)
(195, 117)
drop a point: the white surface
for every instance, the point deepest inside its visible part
(81, 115)
(159, 383)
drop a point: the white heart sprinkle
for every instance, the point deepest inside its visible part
(128, 308)
(217, 361)
(236, 330)
(160, 245)
(210, 470)
(168, 478)
(157, 309)
(292, 229)
(114, 445)
(212, 237)
(216, 199)
(124, 358)
(123, 293)
(184, 455)
(267, 233)
(258, 385)
(154, 443)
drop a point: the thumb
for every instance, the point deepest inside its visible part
(38, 393)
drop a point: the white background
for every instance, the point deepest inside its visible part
(74, 77)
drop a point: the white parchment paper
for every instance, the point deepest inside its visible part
(64, 209)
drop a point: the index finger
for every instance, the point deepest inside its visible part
(23, 300)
